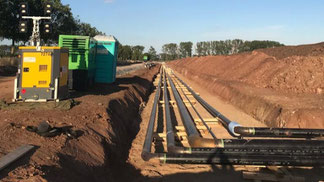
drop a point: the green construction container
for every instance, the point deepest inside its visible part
(106, 59)
(82, 52)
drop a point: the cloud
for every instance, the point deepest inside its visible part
(109, 1)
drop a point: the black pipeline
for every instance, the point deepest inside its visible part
(258, 151)
(194, 138)
(279, 132)
(221, 159)
(237, 130)
(146, 152)
(169, 128)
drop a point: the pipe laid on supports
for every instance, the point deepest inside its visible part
(238, 151)
(199, 116)
(237, 130)
(226, 122)
(242, 160)
(267, 146)
(266, 143)
(169, 128)
(279, 132)
(172, 148)
(194, 138)
(296, 151)
(146, 152)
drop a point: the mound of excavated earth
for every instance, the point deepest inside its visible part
(283, 87)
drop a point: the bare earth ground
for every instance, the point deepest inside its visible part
(281, 87)
(122, 70)
(108, 116)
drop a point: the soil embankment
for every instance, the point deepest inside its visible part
(283, 87)
(107, 116)
(123, 70)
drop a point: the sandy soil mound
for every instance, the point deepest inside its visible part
(302, 50)
(109, 118)
(270, 84)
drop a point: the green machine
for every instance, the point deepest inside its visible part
(82, 52)
(106, 59)
(145, 58)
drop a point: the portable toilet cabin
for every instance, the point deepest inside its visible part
(106, 59)
(82, 52)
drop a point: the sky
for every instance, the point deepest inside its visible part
(157, 22)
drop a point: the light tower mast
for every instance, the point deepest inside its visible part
(35, 37)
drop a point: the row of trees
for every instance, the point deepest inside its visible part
(127, 52)
(184, 49)
(63, 21)
(174, 51)
(228, 47)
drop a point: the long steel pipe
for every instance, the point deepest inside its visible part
(279, 132)
(266, 146)
(172, 148)
(272, 160)
(260, 151)
(237, 130)
(146, 152)
(199, 116)
(194, 138)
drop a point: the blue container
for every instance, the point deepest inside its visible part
(106, 59)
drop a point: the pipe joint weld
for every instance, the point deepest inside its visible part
(231, 126)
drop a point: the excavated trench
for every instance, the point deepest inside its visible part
(109, 117)
(112, 139)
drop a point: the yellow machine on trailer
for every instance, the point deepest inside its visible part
(42, 75)
(42, 71)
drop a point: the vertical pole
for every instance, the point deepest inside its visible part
(15, 89)
(37, 34)
(32, 39)
(56, 89)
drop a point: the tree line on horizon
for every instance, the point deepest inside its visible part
(173, 51)
(63, 22)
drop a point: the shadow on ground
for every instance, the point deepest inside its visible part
(23, 161)
(109, 88)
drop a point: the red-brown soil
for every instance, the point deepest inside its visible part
(108, 116)
(114, 127)
(282, 86)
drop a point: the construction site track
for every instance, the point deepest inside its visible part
(183, 128)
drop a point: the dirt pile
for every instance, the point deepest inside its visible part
(294, 74)
(302, 50)
(108, 116)
(270, 84)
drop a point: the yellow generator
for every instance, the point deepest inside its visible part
(42, 74)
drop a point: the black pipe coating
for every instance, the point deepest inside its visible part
(185, 116)
(279, 132)
(272, 160)
(149, 133)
